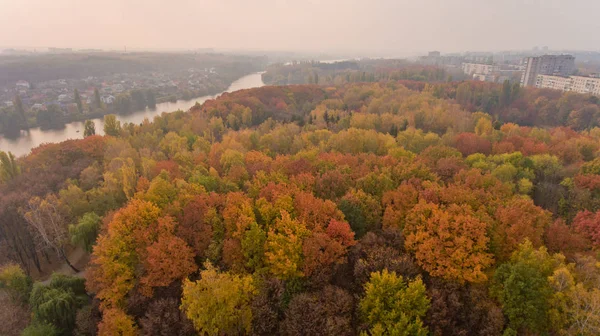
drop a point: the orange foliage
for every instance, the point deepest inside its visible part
(196, 222)
(518, 220)
(470, 143)
(560, 238)
(238, 214)
(397, 204)
(448, 242)
(588, 224)
(116, 323)
(167, 259)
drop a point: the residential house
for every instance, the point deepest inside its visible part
(23, 85)
(108, 99)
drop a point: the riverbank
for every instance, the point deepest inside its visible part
(34, 137)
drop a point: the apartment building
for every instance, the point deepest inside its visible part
(579, 84)
(554, 65)
(478, 68)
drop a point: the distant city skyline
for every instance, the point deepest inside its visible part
(335, 26)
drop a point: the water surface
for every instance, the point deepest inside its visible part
(34, 137)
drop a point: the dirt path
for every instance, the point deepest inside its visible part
(79, 258)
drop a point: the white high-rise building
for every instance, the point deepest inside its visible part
(555, 65)
(579, 84)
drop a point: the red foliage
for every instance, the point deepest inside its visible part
(195, 225)
(170, 166)
(323, 249)
(560, 238)
(588, 224)
(470, 143)
(233, 256)
(518, 220)
(591, 182)
(315, 212)
(257, 161)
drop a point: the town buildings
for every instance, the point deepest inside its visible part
(478, 68)
(554, 65)
(579, 84)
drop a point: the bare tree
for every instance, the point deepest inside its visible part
(48, 225)
(14, 315)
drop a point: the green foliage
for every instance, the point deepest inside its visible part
(77, 99)
(57, 303)
(40, 329)
(89, 128)
(14, 279)
(9, 168)
(362, 211)
(253, 246)
(391, 306)
(97, 99)
(161, 191)
(522, 288)
(112, 126)
(53, 117)
(85, 232)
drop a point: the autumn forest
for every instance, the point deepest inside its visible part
(389, 200)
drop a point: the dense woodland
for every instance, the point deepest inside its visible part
(366, 70)
(382, 208)
(45, 67)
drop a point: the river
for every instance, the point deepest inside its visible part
(34, 137)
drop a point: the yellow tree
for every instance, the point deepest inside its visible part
(391, 306)
(116, 323)
(219, 303)
(284, 247)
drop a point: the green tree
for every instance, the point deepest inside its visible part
(253, 247)
(14, 279)
(89, 128)
(150, 98)
(393, 130)
(219, 303)
(112, 126)
(20, 110)
(391, 306)
(97, 100)
(123, 103)
(77, 99)
(138, 100)
(40, 329)
(362, 211)
(9, 169)
(9, 122)
(52, 117)
(85, 232)
(57, 302)
(523, 290)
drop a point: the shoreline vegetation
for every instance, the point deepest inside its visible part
(94, 85)
(376, 207)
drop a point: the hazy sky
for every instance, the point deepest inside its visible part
(314, 25)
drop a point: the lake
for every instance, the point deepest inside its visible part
(36, 136)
